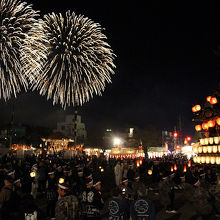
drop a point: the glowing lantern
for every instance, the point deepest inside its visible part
(208, 99)
(61, 180)
(202, 141)
(209, 149)
(213, 100)
(198, 127)
(219, 148)
(200, 150)
(138, 164)
(149, 172)
(171, 169)
(102, 170)
(215, 149)
(203, 159)
(207, 159)
(184, 169)
(175, 167)
(212, 160)
(32, 174)
(198, 108)
(218, 121)
(195, 150)
(211, 123)
(194, 108)
(206, 141)
(211, 140)
(217, 160)
(216, 140)
(205, 126)
(205, 149)
(189, 163)
(195, 159)
(198, 159)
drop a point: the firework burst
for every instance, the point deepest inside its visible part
(79, 61)
(16, 20)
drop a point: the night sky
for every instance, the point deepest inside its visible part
(166, 62)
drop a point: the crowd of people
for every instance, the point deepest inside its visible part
(75, 188)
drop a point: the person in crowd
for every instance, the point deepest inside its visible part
(51, 194)
(136, 185)
(67, 205)
(142, 208)
(166, 192)
(118, 173)
(118, 205)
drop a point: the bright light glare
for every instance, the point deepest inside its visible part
(117, 141)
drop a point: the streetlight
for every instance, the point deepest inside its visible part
(116, 141)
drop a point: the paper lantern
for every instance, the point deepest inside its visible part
(198, 159)
(207, 159)
(213, 100)
(198, 108)
(211, 140)
(217, 160)
(189, 163)
(194, 108)
(32, 174)
(219, 148)
(203, 159)
(208, 99)
(175, 167)
(184, 169)
(205, 126)
(218, 121)
(206, 141)
(210, 149)
(216, 140)
(215, 149)
(138, 164)
(171, 169)
(212, 160)
(61, 180)
(149, 172)
(204, 149)
(202, 141)
(211, 123)
(198, 127)
(195, 150)
(195, 159)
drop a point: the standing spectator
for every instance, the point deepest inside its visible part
(142, 208)
(118, 173)
(42, 178)
(67, 205)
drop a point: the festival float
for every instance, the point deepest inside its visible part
(207, 150)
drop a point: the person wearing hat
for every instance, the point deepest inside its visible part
(136, 184)
(9, 200)
(127, 191)
(87, 197)
(142, 207)
(118, 206)
(67, 205)
(166, 192)
(51, 194)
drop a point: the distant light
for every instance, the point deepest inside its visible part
(188, 138)
(61, 180)
(117, 141)
(108, 130)
(175, 134)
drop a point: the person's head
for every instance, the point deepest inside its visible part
(124, 181)
(142, 191)
(137, 178)
(97, 185)
(8, 181)
(62, 189)
(17, 183)
(51, 175)
(89, 183)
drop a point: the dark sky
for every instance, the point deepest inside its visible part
(166, 62)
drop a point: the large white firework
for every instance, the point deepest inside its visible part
(16, 20)
(79, 61)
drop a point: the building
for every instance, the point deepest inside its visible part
(67, 128)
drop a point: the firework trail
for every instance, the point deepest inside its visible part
(16, 20)
(79, 61)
